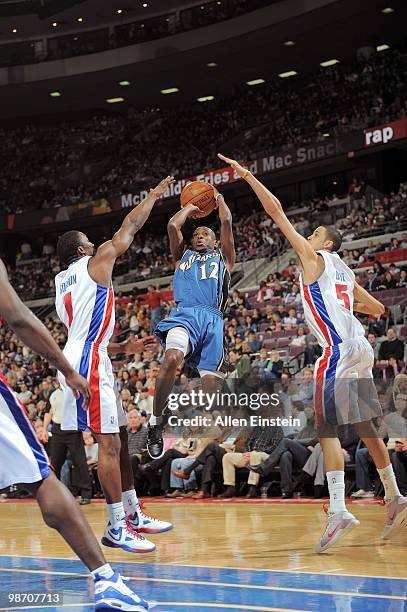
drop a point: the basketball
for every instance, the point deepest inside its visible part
(200, 194)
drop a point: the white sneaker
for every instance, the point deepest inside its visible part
(147, 524)
(113, 594)
(396, 515)
(126, 537)
(339, 523)
(362, 493)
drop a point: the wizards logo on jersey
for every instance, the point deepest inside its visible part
(202, 279)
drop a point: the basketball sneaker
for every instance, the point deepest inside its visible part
(362, 493)
(125, 536)
(155, 441)
(113, 594)
(339, 523)
(142, 523)
(396, 515)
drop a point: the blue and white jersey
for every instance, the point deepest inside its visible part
(328, 303)
(202, 279)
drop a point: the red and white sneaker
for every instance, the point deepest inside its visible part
(147, 524)
(126, 537)
(396, 515)
(339, 524)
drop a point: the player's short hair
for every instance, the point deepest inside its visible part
(335, 236)
(67, 247)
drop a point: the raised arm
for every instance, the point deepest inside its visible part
(174, 231)
(311, 263)
(366, 303)
(227, 241)
(101, 265)
(34, 334)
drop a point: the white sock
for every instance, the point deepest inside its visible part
(389, 482)
(130, 501)
(336, 486)
(116, 513)
(105, 571)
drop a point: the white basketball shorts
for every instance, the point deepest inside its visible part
(22, 457)
(105, 413)
(344, 390)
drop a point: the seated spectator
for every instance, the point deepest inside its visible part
(252, 445)
(392, 347)
(372, 339)
(253, 342)
(274, 367)
(399, 461)
(289, 450)
(299, 340)
(387, 282)
(373, 282)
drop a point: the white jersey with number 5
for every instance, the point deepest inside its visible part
(328, 303)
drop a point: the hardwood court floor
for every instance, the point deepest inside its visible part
(229, 555)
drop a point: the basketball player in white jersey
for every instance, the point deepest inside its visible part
(85, 304)
(344, 388)
(24, 460)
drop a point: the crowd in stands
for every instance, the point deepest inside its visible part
(255, 237)
(42, 165)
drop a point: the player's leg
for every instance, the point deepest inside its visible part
(395, 502)
(133, 508)
(23, 459)
(61, 512)
(177, 346)
(119, 533)
(329, 369)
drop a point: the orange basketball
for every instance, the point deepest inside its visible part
(200, 194)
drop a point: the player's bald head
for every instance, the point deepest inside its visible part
(203, 238)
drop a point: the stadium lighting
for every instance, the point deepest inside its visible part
(119, 11)
(212, 65)
(14, 30)
(55, 94)
(170, 90)
(289, 73)
(145, 5)
(114, 100)
(326, 135)
(388, 10)
(80, 19)
(331, 62)
(289, 43)
(255, 82)
(124, 83)
(55, 24)
(382, 48)
(206, 98)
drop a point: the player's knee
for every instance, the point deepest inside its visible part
(51, 519)
(172, 359)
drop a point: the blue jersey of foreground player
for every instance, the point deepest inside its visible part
(201, 287)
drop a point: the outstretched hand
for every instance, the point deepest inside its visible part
(162, 186)
(138, 345)
(239, 169)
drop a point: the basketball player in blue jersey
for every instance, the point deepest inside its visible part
(24, 460)
(344, 391)
(194, 329)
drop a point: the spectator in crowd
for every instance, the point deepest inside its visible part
(392, 347)
(64, 441)
(399, 461)
(137, 441)
(252, 445)
(287, 452)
